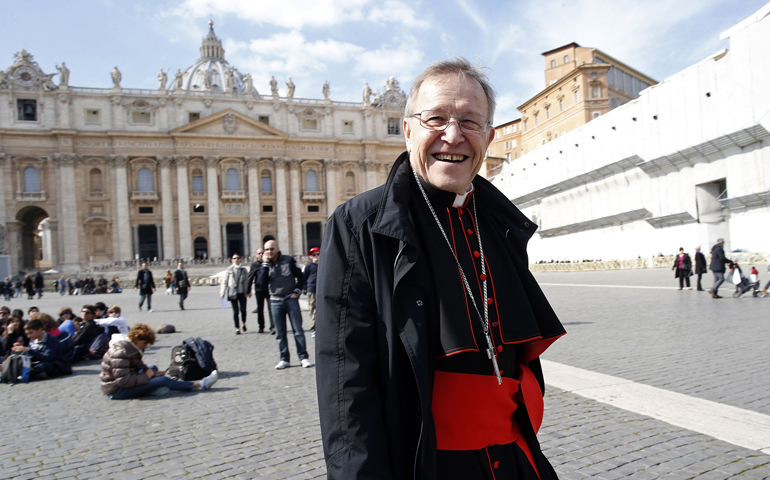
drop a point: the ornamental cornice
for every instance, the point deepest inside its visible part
(119, 161)
(211, 161)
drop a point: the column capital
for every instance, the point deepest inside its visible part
(211, 161)
(181, 160)
(65, 159)
(372, 165)
(246, 223)
(294, 162)
(251, 161)
(165, 160)
(118, 160)
(280, 162)
(332, 163)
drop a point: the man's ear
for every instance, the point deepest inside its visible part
(407, 135)
(491, 135)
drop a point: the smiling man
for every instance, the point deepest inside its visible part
(429, 323)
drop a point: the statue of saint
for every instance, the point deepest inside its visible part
(229, 80)
(64, 75)
(4, 77)
(326, 90)
(248, 84)
(116, 77)
(390, 84)
(162, 78)
(178, 80)
(206, 86)
(289, 89)
(273, 86)
(367, 93)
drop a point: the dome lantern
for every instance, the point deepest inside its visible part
(211, 47)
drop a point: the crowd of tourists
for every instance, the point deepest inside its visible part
(30, 287)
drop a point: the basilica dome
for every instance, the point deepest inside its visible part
(211, 70)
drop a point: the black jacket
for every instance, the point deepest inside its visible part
(686, 266)
(144, 288)
(700, 263)
(718, 259)
(254, 276)
(311, 274)
(179, 275)
(374, 347)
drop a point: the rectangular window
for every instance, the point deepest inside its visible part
(145, 210)
(193, 116)
(394, 126)
(27, 109)
(513, 143)
(267, 184)
(141, 118)
(497, 134)
(267, 208)
(507, 157)
(525, 126)
(313, 208)
(561, 104)
(566, 58)
(547, 113)
(198, 208)
(310, 124)
(264, 119)
(595, 92)
(597, 114)
(92, 117)
(577, 97)
(507, 145)
(537, 119)
(347, 127)
(197, 183)
(553, 63)
(593, 75)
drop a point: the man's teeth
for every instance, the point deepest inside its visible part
(449, 158)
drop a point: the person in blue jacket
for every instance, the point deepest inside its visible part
(44, 349)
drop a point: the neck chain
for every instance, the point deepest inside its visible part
(485, 319)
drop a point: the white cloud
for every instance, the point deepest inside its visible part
(398, 12)
(400, 61)
(472, 14)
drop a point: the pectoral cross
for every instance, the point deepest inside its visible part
(492, 356)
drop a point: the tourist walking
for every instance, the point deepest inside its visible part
(39, 284)
(146, 285)
(285, 282)
(62, 285)
(718, 261)
(29, 286)
(683, 268)
(236, 287)
(182, 283)
(311, 273)
(700, 266)
(261, 293)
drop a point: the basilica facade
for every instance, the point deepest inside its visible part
(203, 167)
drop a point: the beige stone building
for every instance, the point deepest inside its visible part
(581, 85)
(203, 167)
(506, 146)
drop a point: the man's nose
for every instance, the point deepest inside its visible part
(452, 133)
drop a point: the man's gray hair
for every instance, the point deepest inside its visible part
(455, 66)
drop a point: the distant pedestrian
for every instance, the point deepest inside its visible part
(39, 284)
(767, 285)
(78, 286)
(29, 286)
(236, 288)
(718, 261)
(168, 280)
(182, 283)
(683, 268)
(311, 273)
(261, 293)
(146, 285)
(700, 266)
(62, 285)
(18, 286)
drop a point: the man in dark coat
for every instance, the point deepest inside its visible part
(430, 324)
(182, 283)
(39, 284)
(146, 285)
(261, 293)
(700, 266)
(718, 261)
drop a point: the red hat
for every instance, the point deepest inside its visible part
(313, 250)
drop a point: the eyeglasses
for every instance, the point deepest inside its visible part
(236, 258)
(269, 249)
(439, 120)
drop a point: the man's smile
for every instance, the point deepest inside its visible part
(445, 157)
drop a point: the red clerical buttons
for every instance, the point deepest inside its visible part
(489, 301)
(460, 211)
(482, 277)
(499, 348)
(496, 464)
(476, 254)
(470, 232)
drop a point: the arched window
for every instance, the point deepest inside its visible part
(311, 181)
(95, 177)
(144, 180)
(99, 242)
(267, 181)
(31, 180)
(350, 182)
(232, 180)
(197, 177)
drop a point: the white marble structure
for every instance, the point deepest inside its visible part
(186, 171)
(684, 164)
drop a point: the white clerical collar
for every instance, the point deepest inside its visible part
(461, 200)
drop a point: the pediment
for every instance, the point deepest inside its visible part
(228, 123)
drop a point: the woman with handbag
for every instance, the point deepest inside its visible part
(236, 287)
(683, 267)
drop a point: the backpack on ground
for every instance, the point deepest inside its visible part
(192, 360)
(99, 346)
(16, 368)
(166, 329)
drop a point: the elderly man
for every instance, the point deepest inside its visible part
(429, 324)
(718, 261)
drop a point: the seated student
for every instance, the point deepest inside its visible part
(31, 311)
(44, 349)
(5, 317)
(124, 374)
(114, 323)
(14, 334)
(65, 321)
(100, 310)
(86, 333)
(49, 325)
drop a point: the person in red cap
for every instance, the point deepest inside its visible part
(311, 271)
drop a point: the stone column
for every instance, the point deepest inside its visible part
(183, 206)
(12, 234)
(280, 203)
(225, 253)
(3, 208)
(125, 249)
(159, 237)
(255, 223)
(332, 167)
(212, 193)
(296, 207)
(167, 208)
(69, 221)
(246, 246)
(135, 238)
(371, 167)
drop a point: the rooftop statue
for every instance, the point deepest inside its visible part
(273, 86)
(64, 75)
(289, 89)
(326, 90)
(162, 78)
(116, 77)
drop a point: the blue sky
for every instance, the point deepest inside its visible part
(350, 42)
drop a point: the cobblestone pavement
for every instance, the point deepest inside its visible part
(260, 422)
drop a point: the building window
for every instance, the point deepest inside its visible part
(193, 116)
(613, 103)
(553, 63)
(27, 110)
(232, 182)
(507, 157)
(547, 113)
(537, 119)
(267, 181)
(146, 210)
(593, 75)
(95, 177)
(347, 127)
(31, 180)
(267, 208)
(561, 104)
(525, 126)
(394, 126)
(99, 243)
(350, 182)
(513, 143)
(311, 181)
(141, 118)
(595, 92)
(313, 209)
(144, 180)
(198, 208)
(92, 117)
(597, 114)
(577, 97)
(197, 181)
(566, 58)
(497, 134)
(507, 145)
(310, 124)
(264, 119)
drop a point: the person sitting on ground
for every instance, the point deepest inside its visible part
(124, 375)
(32, 311)
(65, 321)
(86, 333)
(49, 325)
(114, 323)
(14, 335)
(100, 310)
(44, 350)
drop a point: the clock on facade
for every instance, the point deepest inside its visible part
(24, 76)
